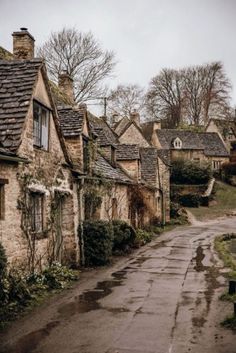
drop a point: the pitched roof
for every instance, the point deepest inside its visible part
(190, 139)
(164, 155)
(213, 145)
(121, 125)
(71, 121)
(147, 129)
(103, 168)
(210, 142)
(127, 152)
(225, 126)
(148, 158)
(17, 80)
(5, 54)
(105, 135)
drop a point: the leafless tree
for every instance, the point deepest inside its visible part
(124, 99)
(83, 58)
(191, 95)
(165, 96)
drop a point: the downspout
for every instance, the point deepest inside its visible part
(163, 210)
(81, 219)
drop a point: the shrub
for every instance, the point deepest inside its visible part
(190, 200)
(142, 237)
(3, 262)
(174, 209)
(124, 235)
(57, 275)
(188, 172)
(98, 242)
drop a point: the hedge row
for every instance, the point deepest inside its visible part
(188, 172)
(103, 238)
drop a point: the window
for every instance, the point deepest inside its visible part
(36, 202)
(2, 198)
(41, 125)
(216, 165)
(177, 143)
(85, 155)
(114, 205)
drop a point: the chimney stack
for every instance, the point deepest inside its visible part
(135, 117)
(23, 44)
(66, 85)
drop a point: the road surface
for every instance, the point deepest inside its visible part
(161, 299)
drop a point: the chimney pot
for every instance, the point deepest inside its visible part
(135, 117)
(23, 44)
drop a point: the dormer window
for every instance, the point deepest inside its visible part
(177, 143)
(41, 116)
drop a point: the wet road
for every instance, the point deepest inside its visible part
(162, 299)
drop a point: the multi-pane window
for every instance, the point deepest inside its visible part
(41, 125)
(216, 165)
(36, 212)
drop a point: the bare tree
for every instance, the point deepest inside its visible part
(165, 96)
(124, 99)
(83, 58)
(191, 95)
(217, 88)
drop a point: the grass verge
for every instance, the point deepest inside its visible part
(224, 202)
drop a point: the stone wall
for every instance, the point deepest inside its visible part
(47, 175)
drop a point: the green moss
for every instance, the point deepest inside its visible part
(230, 322)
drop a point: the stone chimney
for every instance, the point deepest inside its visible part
(66, 85)
(23, 44)
(135, 117)
(156, 125)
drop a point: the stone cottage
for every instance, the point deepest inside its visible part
(188, 145)
(152, 166)
(38, 208)
(227, 132)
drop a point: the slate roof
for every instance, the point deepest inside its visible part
(127, 152)
(147, 129)
(71, 121)
(121, 125)
(17, 80)
(210, 142)
(149, 159)
(105, 135)
(103, 168)
(5, 54)
(164, 155)
(213, 145)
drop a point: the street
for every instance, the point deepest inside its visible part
(163, 298)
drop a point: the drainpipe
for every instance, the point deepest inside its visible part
(163, 211)
(81, 219)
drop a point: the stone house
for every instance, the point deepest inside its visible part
(188, 145)
(227, 132)
(131, 134)
(38, 221)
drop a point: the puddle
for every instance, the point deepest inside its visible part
(89, 300)
(29, 342)
(199, 267)
(140, 260)
(159, 245)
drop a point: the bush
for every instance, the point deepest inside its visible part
(3, 262)
(98, 242)
(188, 172)
(55, 276)
(124, 235)
(190, 200)
(142, 237)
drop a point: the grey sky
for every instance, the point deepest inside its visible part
(146, 35)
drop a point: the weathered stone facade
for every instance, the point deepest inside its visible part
(41, 174)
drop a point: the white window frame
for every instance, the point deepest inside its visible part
(41, 121)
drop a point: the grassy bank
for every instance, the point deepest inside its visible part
(224, 245)
(224, 202)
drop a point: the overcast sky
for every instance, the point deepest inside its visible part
(146, 35)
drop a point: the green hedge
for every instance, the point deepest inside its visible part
(3, 261)
(190, 200)
(98, 242)
(188, 172)
(124, 235)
